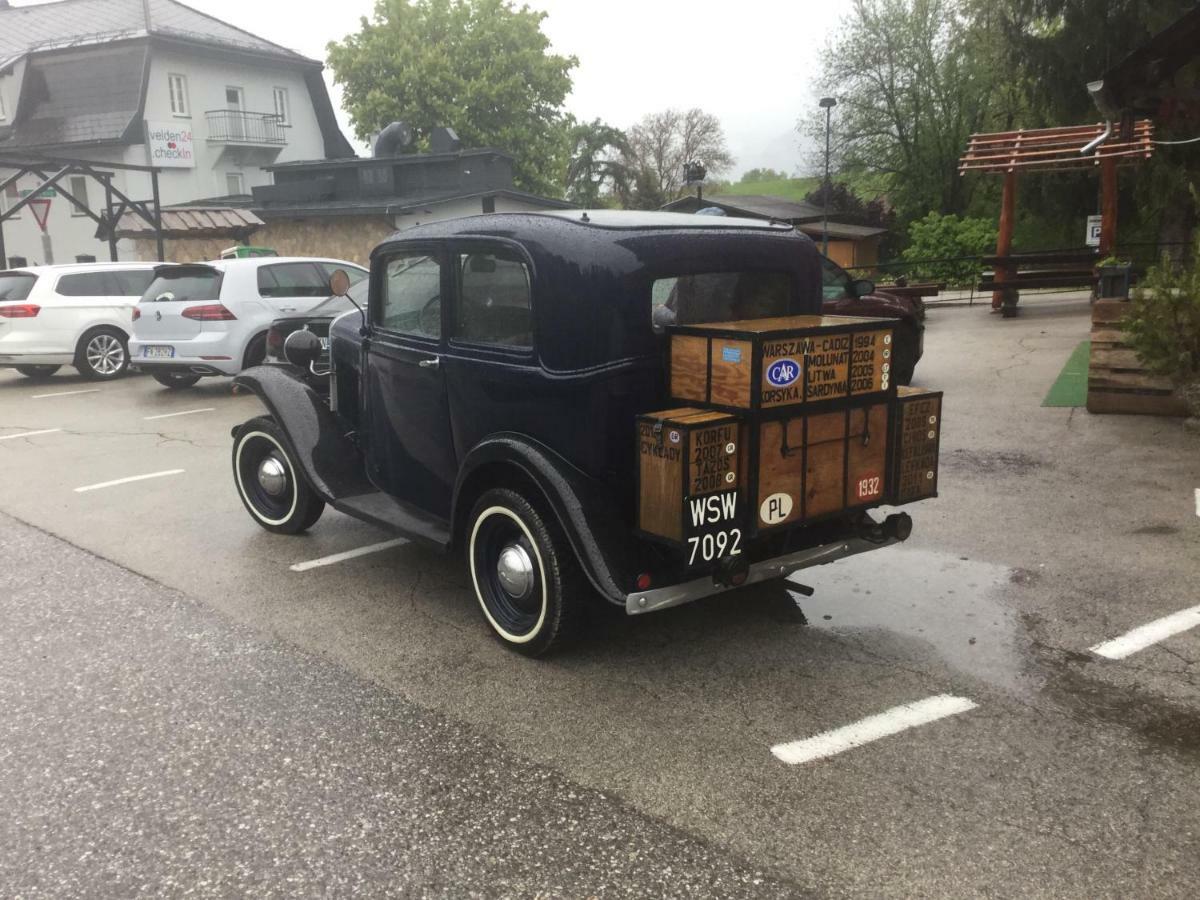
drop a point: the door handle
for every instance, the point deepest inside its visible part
(430, 363)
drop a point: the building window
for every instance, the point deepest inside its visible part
(235, 184)
(78, 189)
(283, 114)
(179, 95)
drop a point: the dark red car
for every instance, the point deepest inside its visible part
(845, 296)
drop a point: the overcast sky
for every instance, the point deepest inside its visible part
(752, 63)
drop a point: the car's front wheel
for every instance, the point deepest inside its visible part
(38, 372)
(175, 380)
(524, 572)
(269, 482)
(102, 354)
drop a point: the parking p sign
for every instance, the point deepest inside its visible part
(1093, 231)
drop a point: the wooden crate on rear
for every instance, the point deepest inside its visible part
(773, 365)
(916, 434)
(1118, 382)
(683, 454)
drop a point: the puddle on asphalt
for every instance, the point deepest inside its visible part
(950, 603)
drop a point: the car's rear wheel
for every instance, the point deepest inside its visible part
(525, 574)
(269, 482)
(38, 372)
(904, 352)
(175, 380)
(102, 354)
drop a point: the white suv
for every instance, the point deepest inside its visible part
(70, 315)
(198, 319)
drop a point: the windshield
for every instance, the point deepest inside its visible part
(719, 297)
(16, 285)
(190, 285)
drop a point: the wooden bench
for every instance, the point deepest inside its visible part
(1010, 274)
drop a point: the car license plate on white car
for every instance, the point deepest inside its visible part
(158, 351)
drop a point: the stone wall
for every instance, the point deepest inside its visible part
(338, 237)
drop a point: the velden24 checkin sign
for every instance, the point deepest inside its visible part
(169, 145)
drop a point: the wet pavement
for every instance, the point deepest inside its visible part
(1073, 775)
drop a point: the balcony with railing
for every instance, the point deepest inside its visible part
(248, 129)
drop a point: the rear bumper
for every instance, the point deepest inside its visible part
(894, 530)
(190, 355)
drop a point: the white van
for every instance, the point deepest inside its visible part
(70, 315)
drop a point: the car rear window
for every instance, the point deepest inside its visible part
(16, 285)
(719, 297)
(186, 284)
(292, 280)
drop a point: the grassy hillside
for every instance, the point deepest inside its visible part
(789, 188)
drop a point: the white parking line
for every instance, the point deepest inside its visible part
(186, 412)
(872, 728)
(1151, 633)
(66, 393)
(131, 478)
(25, 434)
(349, 554)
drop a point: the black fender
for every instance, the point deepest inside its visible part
(331, 462)
(583, 506)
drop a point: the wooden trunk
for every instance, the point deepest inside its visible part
(1118, 382)
(684, 454)
(774, 365)
(816, 465)
(916, 432)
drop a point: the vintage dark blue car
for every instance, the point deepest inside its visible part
(485, 400)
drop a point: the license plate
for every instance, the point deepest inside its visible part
(158, 352)
(712, 527)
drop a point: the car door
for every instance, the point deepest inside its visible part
(408, 445)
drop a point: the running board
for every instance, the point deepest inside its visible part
(383, 511)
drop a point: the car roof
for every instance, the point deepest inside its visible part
(226, 265)
(70, 268)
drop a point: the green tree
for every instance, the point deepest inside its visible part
(947, 248)
(598, 172)
(482, 67)
(909, 95)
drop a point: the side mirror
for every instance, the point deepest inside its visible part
(302, 349)
(339, 283)
(862, 287)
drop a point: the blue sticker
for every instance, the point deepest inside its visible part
(783, 372)
(731, 354)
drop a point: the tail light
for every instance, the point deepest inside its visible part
(20, 311)
(137, 314)
(209, 312)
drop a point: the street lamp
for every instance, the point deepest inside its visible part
(827, 104)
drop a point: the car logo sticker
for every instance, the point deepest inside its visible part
(674, 437)
(783, 372)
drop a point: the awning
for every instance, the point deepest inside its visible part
(193, 222)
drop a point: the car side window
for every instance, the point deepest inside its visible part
(411, 300)
(356, 274)
(84, 284)
(494, 300)
(835, 282)
(298, 279)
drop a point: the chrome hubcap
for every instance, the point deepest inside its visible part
(272, 476)
(105, 354)
(514, 568)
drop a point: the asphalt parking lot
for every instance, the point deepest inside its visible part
(1034, 765)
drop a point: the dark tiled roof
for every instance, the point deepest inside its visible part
(192, 221)
(842, 230)
(73, 22)
(765, 205)
(89, 98)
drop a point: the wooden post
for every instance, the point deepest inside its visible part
(1008, 205)
(1108, 205)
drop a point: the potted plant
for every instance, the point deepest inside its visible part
(1164, 328)
(1114, 277)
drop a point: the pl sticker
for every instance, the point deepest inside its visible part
(775, 509)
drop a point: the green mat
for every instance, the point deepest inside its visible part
(1070, 388)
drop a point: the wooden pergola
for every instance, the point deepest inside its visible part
(1009, 153)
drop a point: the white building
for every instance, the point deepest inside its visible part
(145, 82)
